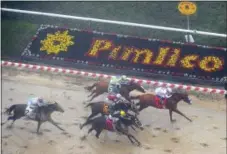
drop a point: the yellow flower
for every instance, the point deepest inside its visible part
(161, 57)
(99, 45)
(211, 64)
(186, 62)
(114, 53)
(54, 43)
(173, 58)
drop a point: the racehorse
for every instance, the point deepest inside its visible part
(104, 108)
(101, 123)
(146, 100)
(102, 87)
(43, 114)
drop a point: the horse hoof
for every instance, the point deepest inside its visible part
(81, 127)
(39, 133)
(83, 138)
(173, 121)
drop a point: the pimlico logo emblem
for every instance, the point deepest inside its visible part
(187, 8)
(57, 42)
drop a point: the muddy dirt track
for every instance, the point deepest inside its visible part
(206, 134)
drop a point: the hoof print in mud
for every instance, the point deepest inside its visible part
(117, 141)
(47, 130)
(165, 131)
(21, 128)
(39, 133)
(25, 147)
(157, 128)
(204, 144)
(83, 138)
(81, 147)
(175, 140)
(51, 142)
(147, 147)
(168, 150)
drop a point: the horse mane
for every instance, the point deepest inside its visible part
(177, 94)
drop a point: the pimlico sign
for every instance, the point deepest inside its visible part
(166, 56)
(125, 52)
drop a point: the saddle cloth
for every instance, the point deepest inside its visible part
(158, 103)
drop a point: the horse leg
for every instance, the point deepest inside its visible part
(11, 118)
(96, 94)
(90, 130)
(98, 132)
(91, 116)
(180, 113)
(38, 127)
(87, 121)
(133, 128)
(142, 107)
(55, 124)
(131, 136)
(91, 93)
(171, 116)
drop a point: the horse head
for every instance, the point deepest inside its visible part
(135, 86)
(57, 107)
(182, 96)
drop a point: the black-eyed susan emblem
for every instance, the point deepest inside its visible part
(57, 42)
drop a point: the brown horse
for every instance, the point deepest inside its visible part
(146, 100)
(102, 87)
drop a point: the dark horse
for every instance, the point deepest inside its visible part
(100, 123)
(102, 87)
(146, 100)
(105, 108)
(43, 113)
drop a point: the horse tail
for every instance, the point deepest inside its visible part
(90, 104)
(10, 109)
(89, 88)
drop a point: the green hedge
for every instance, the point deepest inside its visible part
(15, 36)
(17, 29)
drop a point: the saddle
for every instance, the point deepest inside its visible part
(109, 124)
(158, 102)
(111, 97)
(33, 112)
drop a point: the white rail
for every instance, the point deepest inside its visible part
(113, 22)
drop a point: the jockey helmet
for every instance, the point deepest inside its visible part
(118, 95)
(40, 99)
(124, 77)
(169, 90)
(122, 113)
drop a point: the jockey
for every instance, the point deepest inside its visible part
(163, 93)
(116, 118)
(33, 105)
(116, 99)
(115, 83)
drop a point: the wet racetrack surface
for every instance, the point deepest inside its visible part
(206, 134)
